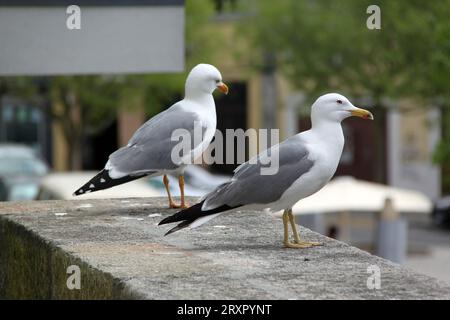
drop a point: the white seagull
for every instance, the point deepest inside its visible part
(307, 161)
(148, 153)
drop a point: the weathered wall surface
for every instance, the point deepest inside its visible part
(33, 268)
(122, 253)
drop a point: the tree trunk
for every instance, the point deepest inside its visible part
(73, 132)
(75, 158)
(380, 142)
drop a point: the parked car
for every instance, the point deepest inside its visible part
(60, 186)
(20, 172)
(441, 212)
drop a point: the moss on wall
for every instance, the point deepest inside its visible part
(31, 268)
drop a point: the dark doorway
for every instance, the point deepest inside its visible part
(231, 114)
(99, 146)
(358, 157)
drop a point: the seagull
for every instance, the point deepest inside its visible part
(307, 161)
(149, 151)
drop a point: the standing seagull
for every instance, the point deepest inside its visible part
(149, 151)
(307, 161)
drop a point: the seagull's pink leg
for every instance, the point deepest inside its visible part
(184, 204)
(166, 184)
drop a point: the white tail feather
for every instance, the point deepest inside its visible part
(198, 222)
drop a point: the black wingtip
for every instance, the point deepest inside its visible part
(79, 191)
(190, 213)
(169, 232)
(102, 180)
(164, 221)
(175, 229)
(186, 216)
(90, 185)
(180, 226)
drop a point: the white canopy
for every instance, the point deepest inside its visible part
(347, 194)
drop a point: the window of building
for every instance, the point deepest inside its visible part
(25, 123)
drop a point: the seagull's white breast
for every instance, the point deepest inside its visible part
(325, 154)
(206, 111)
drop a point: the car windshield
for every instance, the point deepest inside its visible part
(21, 166)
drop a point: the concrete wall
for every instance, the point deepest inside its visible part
(122, 253)
(31, 268)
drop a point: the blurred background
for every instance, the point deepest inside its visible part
(389, 194)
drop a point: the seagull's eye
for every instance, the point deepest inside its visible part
(217, 81)
(339, 101)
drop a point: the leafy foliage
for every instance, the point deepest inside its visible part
(324, 45)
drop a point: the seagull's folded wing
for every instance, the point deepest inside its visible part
(150, 148)
(250, 185)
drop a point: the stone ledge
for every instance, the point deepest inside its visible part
(122, 254)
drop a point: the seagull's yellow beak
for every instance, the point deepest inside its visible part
(222, 87)
(362, 113)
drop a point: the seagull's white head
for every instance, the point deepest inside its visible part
(204, 79)
(335, 107)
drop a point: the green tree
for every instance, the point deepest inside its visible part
(439, 86)
(324, 46)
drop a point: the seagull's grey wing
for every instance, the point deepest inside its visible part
(249, 186)
(151, 146)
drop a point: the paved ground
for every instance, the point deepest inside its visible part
(234, 257)
(428, 245)
(432, 250)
